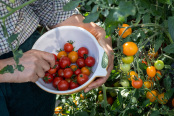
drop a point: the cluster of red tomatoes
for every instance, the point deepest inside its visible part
(71, 69)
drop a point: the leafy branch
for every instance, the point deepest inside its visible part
(17, 54)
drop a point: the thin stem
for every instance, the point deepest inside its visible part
(105, 99)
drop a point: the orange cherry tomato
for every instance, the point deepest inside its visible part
(61, 54)
(73, 56)
(130, 48)
(74, 67)
(110, 100)
(151, 71)
(161, 99)
(173, 102)
(148, 84)
(151, 95)
(159, 72)
(132, 74)
(126, 33)
(85, 70)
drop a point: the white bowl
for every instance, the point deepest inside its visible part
(56, 38)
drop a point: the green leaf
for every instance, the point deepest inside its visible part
(71, 5)
(137, 93)
(167, 83)
(93, 112)
(81, 113)
(170, 27)
(20, 67)
(105, 12)
(155, 113)
(7, 69)
(166, 2)
(94, 9)
(104, 63)
(169, 48)
(12, 38)
(146, 18)
(92, 17)
(145, 103)
(158, 43)
(17, 54)
(120, 98)
(126, 8)
(169, 93)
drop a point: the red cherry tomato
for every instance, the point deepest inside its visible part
(55, 57)
(137, 83)
(56, 81)
(68, 72)
(90, 61)
(77, 72)
(52, 70)
(60, 73)
(73, 85)
(64, 62)
(63, 85)
(80, 62)
(57, 66)
(68, 47)
(82, 51)
(82, 78)
(48, 78)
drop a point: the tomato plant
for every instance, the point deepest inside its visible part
(142, 37)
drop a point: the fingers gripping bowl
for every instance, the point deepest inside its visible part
(56, 38)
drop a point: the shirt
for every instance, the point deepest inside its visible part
(26, 20)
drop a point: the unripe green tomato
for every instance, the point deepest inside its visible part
(100, 97)
(8, 8)
(128, 59)
(125, 67)
(134, 100)
(124, 83)
(117, 84)
(113, 93)
(12, 1)
(159, 64)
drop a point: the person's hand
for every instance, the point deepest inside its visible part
(35, 63)
(99, 33)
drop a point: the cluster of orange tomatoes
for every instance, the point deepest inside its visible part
(153, 71)
(71, 69)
